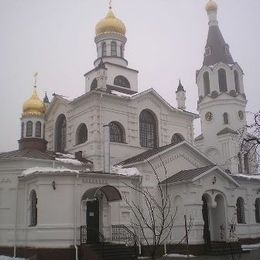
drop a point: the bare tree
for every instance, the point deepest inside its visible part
(249, 136)
(154, 218)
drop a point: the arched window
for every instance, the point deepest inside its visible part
(113, 49)
(81, 134)
(177, 138)
(22, 130)
(122, 51)
(33, 208)
(246, 163)
(222, 80)
(257, 210)
(236, 78)
(60, 133)
(29, 129)
(225, 118)
(206, 83)
(104, 49)
(38, 129)
(121, 81)
(240, 211)
(117, 133)
(93, 84)
(148, 129)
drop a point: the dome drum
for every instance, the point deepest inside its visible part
(33, 144)
(110, 35)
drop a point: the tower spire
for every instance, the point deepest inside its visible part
(110, 4)
(216, 50)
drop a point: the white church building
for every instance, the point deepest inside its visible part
(69, 183)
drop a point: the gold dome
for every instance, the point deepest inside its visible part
(33, 106)
(110, 24)
(211, 6)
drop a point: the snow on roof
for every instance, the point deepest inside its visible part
(66, 155)
(126, 171)
(74, 162)
(248, 177)
(46, 170)
(120, 94)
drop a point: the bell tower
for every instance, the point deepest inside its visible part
(110, 43)
(222, 100)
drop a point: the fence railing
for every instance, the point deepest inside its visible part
(90, 235)
(122, 234)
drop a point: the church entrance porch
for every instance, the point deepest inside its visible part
(92, 220)
(214, 217)
(96, 213)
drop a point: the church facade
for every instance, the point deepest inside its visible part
(78, 160)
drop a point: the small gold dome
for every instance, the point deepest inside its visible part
(33, 106)
(211, 6)
(110, 24)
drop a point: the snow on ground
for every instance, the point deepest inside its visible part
(251, 247)
(126, 171)
(46, 170)
(178, 255)
(2, 257)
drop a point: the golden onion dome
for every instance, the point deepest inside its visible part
(211, 6)
(110, 24)
(34, 106)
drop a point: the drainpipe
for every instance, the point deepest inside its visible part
(75, 216)
(16, 219)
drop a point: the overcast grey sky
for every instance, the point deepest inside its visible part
(166, 40)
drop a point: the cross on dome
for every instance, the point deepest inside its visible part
(35, 77)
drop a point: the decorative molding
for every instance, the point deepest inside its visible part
(94, 181)
(5, 180)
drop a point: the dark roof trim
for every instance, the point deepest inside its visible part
(199, 137)
(27, 153)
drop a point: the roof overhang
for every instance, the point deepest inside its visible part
(111, 193)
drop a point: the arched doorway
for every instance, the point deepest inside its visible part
(214, 217)
(95, 201)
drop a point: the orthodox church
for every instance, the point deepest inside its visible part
(70, 182)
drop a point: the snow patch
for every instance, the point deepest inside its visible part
(3, 257)
(66, 155)
(46, 170)
(126, 171)
(69, 161)
(120, 93)
(250, 247)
